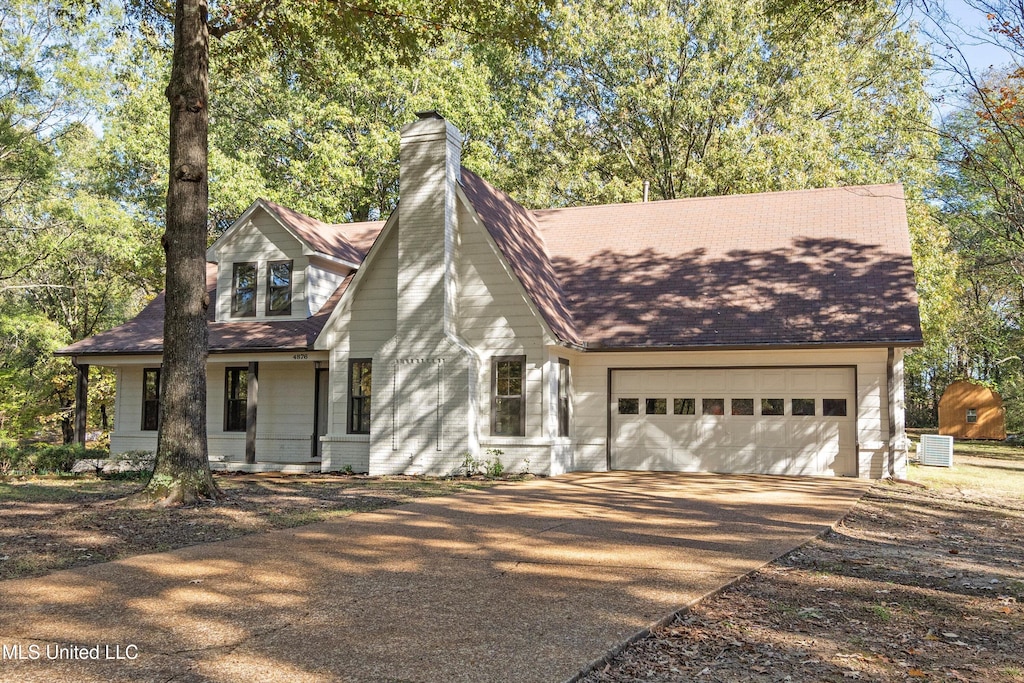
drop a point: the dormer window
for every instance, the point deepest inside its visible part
(243, 290)
(279, 288)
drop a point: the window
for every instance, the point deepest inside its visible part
(563, 397)
(243, 290)
(684, 406)
(803, 406)
(713, 406)
(772, 406)
(972, 415)
(657, 406)
(150, 399)
(833, 407)
(629, 406)
(508, 391)
(359, 388)
(236, 391)
(742, 406)
(279, 288)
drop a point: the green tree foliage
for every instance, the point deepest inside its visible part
(67, 256)
(709, 98)
(978, 200)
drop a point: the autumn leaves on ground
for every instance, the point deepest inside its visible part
(916, 583)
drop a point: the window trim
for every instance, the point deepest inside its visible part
(350, 428)
(968, 416)
(143, 427)
(235, 267)
(228, 400)
(522, 393)
(563, 397)
(270, 288)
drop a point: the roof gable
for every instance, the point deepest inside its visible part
(346, 243)
(515, 233)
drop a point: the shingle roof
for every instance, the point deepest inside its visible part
(810, 267)
(143, 334)
(346, 241)
(515, 232)
(829, 266)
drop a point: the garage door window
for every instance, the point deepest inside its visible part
(713, 406)
(684, 406)
(629, 406)
(833, 407)
(657, 406)
(772, 406)
(742, 406)
(803, 406)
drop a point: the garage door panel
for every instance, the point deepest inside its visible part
(744, 459)
(803, 380)
(714, 434)
(742, 434)
(654, 437)
(765, 443)
(741, 380)
(805, 461)
(710, 380)
(833, 380)
(772, 380)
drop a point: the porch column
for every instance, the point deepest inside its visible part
(251, 396)
(81, 400)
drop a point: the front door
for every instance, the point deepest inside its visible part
(322, 393)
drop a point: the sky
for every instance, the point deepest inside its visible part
(967, 30)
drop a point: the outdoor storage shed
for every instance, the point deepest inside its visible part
(971, 411)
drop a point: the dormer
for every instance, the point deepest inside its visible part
(275, 263)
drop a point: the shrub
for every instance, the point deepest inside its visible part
(54, 459)
(43, 458)
(10, 460)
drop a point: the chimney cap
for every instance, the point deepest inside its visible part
(429, 114)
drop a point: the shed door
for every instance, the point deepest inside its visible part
(793, 420)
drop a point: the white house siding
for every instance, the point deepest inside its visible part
(366, 322)
(284, 419)
(494, 318)
(262, 240)
(322, 280)
(127, 434)
(590, 383)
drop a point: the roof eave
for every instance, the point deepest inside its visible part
(896, 343)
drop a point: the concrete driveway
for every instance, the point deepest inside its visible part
(523, 582)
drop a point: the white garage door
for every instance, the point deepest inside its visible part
(758, 420)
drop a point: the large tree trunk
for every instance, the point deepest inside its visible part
(182, 471)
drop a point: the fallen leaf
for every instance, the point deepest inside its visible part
(947, 634)
(954, 551)
(915, 673)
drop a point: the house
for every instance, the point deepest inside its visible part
(971, 411)
(756, 333)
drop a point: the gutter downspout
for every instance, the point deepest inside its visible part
(890, 390)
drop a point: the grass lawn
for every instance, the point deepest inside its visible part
(982, 471)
